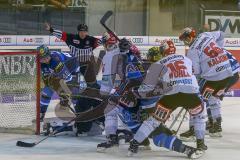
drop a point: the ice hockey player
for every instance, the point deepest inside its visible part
(57, 69)
(81, 45)
(119, 60)
(172, 79)
(216, 70)
(110, 62)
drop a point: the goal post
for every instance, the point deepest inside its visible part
(19, 92)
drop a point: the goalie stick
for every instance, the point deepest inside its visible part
(103, 20)
(26, 144)
(100, 108)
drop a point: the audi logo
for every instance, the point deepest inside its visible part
(39, 40)
(5, 40)
(137, 40)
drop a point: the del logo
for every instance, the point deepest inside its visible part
(76, 41)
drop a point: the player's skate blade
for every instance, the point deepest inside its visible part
(215, 135)
(188, 136)
(196, 154)
(105, 150)
(109, 145)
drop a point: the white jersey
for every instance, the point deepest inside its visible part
(210, 60)
(172, 74)
(111, 68)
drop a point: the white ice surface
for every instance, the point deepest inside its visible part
(84, 148)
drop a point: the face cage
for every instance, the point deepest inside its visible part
(187, 41)
(110, 47)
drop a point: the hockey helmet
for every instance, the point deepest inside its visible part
(124, 45)
(82, 27)
(109, 41)
(167, 47)
(153, 54)
(43, 51)
(134, 49)
(188, 35)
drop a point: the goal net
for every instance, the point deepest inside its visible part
(19, 92)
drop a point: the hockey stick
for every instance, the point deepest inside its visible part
(176, 118)
(78, 116)
(26, 144)
(175, 132)
(103, 20)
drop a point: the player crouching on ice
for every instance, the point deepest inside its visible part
(57, 69)
(172, 79)
(216, 70)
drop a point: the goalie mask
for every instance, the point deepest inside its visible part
(109, 41)
(167, 47)
(188, 35)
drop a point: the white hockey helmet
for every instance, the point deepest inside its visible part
(188, 35)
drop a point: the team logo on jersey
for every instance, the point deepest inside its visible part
(59, 67)
(87, 42)
(76, 41)
(130, 68)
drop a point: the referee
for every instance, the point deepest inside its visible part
(81, 45)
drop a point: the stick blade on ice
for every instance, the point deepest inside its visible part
(24, 144)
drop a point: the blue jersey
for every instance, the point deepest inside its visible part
(134, 68)
(131, 117)
(61, 65)
(133, 73)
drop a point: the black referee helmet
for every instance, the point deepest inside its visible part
(82, 27)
